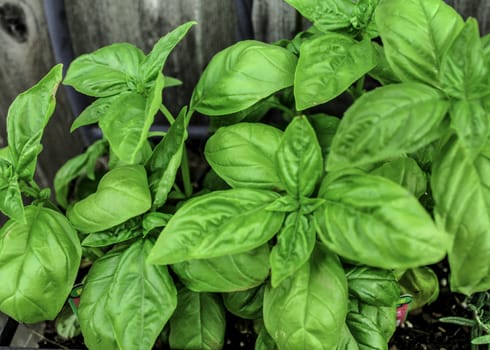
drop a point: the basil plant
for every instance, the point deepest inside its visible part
(307, 224)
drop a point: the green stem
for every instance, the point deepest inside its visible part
(167, 114)
(358, 88)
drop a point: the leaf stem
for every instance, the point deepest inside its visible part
(167, 114)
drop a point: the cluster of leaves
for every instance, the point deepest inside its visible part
(311, 228)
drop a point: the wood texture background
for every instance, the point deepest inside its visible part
(26, 53)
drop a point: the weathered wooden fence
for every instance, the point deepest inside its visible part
(27, 51)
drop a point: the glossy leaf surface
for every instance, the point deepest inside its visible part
(388, 122)
(227, 273)
(327, 66)
(242, 75)
(198, 323)
(366, 332)
(373, 221)
(295, 243)
(27, 117)
(93, 113)
(39, 260)
(244, 155)
(460, 188)
(122, 193)
(105, 72)
(307, 310)
(245, 304)
(422, 284)
(416, 34)
(217, 224)
(10, 196)
(299, 158)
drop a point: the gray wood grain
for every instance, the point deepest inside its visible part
(274, 20)
(479, 9)
(96, 23)
(26, 56)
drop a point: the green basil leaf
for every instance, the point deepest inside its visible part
(153, 63)
(244, 155)
(245, 304)
(326, 15)
(299, 158)
(154, 220)
(108, 71)
(327, 66)
(347, 340)
(122, 194)
(241, 75)
(227, 273)
(416, 34)
(325, 127)
(136, 291)
(27, 117)
(388, 122)
(382, 72)
(93, 112)
(39, 260)
(405, 172)
(166, 159)
(471, 121)
(464, 69)
(216, 224)
(284, 204)
(307, 310)
(295, 243)
(460, 187)
(198, 322)
(67, 324)
(126, 126)
(264, 341)
(121, 233)
(366, 332)
(373, 221)
(384, 317)
(422, 284)
(82, 164)
(5, 154)
(11, 203)
(373, 286)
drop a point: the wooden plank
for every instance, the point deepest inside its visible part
(96, 23)
(25, 53)
(479, 9)
(274, 20)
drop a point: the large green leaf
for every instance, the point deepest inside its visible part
(388, 122)
(299, 158)
(241, 75)
(325, 127)
(471, 121)
(26, 119)
(153, 63)
(244, 155)
(416, 34)
(307, 310)
(464, 70)
(373, 221)
(406, 172)
(327, 66)
(119, 299)
(382, 72)
(373, 286)
(10, 196)
(82, 164)
(295, 243)
(39, 260)
(122, 193)
(166, 159)
(384, 317)
(140, 299)
(198, 323)
(347, 340)
(461, 190)
(108, 71)
(126, 124)
(121, 233)
(227, 273)
(245, 304)
(366, 332)
(216, 224)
